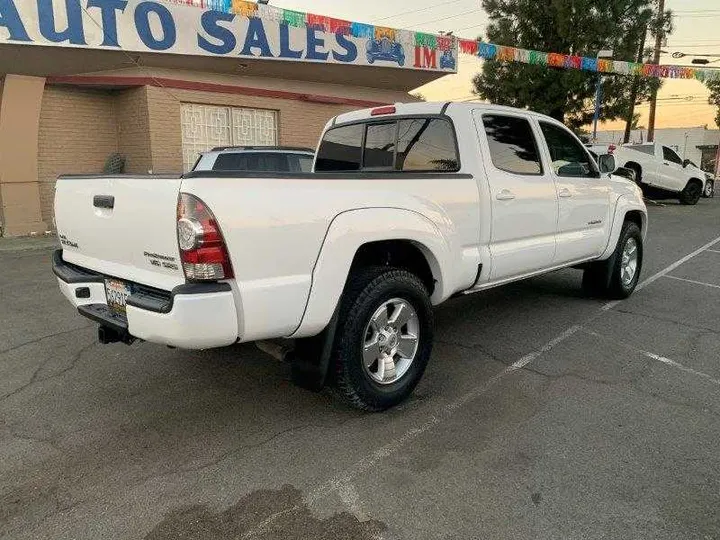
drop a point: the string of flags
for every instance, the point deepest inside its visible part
(487, 51)
(490, 51)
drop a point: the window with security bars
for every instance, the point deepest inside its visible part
(205, 127)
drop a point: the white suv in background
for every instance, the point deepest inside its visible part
(256, 159)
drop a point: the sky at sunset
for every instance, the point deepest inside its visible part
(682, 103)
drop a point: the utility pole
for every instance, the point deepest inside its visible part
(634, 90)
(656, 60)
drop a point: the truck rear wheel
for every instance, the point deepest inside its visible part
(384, 337)
(617, 277)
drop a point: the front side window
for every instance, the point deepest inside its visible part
(670, 155)
(568, 156)
(512, 144)
(341, 149)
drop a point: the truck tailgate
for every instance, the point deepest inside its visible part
(121, 226)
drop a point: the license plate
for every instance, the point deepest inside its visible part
(117, 293)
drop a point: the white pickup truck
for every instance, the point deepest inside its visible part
(408, 206)
(661, 171)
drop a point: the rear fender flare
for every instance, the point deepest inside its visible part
(351, 230)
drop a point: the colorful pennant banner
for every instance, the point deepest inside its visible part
(487, 51)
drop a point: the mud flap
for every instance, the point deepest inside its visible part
(310, 360)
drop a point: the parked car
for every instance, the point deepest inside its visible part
(256, 158)
(660, 171)
(385, 50)
(409, 205)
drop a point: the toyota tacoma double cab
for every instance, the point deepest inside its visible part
(408, 205)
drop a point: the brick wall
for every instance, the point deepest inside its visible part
(78, 131)
(133, 132)
(301, 123)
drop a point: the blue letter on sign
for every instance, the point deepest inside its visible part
(256, 39)
(10, 19)
(313, 42)
(142, 24)
(286, 51)
(74, 31)
(210, 24)
(109, 19)
(349, 46)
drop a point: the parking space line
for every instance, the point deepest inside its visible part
(656, 357)
(652, 279)
(713, 250)
(693, 281)
(342, 482)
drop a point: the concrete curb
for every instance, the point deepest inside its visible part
(28, 243)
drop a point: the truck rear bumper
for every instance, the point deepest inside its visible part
(192, 316)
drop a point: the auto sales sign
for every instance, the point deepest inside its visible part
(161, 27)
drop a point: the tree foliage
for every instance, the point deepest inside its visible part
(578, 27)
(714, 87)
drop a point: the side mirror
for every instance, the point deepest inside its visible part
(607, 163)
(686, 163)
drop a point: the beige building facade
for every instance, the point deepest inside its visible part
(151, 84)
(157, 120)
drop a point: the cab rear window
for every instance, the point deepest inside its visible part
(404, 145)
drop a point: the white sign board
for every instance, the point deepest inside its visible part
(151, 26)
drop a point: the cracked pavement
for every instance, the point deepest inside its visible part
(592, 438)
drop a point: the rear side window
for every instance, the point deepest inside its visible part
(427, 145)
(252, 161)
(409, 145)
(512, 144)
(341, 149)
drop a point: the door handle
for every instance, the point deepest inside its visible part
(505, 195)
(666, 164)
(104, 201)
(565, 194)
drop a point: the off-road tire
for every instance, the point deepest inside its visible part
(603, 278)
(365, 291)
(692, 193)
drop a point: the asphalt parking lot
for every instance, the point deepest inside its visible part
(544, 414)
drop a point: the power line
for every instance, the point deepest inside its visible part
(418, 10)
(471, 12)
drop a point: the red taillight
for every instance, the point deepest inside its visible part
(611, 148)
(383, 110)
(202, 247)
